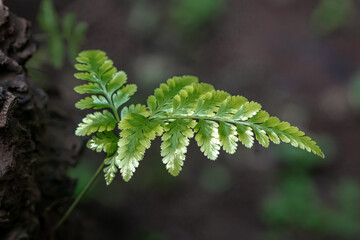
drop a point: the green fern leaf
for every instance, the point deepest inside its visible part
(207, 138)
(96, 121)
(95, 102)
(297, 138)
(177, 111)
(138, 108)
(261, 136)
(175, 140)
(227, 137)
(111, 169)
(105, 81)
(93, 88)
(166, 92)
(117, 81)
(91, 58)
(209, 103)
(86, 76)
(230, 105)
(259, 117)
(123, 95)
(222, 120)
(136, 135)
(267, 125)
(186, 100)
(104, 141)
(245, 134)
(246, 111)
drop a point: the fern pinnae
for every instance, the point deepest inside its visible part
(111, 169)
(96, 122)
(164, 94)
(104, 141)
(245, 135)
(187, 98)
(228, 137)
(174, 143)
(180, 109)
(137, 132)
(207, 138)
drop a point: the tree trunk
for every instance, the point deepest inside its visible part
(34, 188)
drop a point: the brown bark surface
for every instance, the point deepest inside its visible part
(34, 188)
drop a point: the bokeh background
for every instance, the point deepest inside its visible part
(299, 58)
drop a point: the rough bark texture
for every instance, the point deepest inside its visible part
(34, 188)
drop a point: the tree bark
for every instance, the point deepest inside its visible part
(34, 187)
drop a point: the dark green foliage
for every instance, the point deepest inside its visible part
(62, 35)
(49, 23)
(354, 90)
(74, 34)
(295, 205)
(190, 16)
(332, 15)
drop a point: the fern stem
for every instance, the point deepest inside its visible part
(108, 98)
(218, 119)
(106, 94)
(116, 114)
(253, 125)
(78, 198)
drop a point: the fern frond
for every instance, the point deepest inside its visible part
(104, 141)
(217, 120)
(222, 120)
(179, 110)
(106, 83)
(96, 122)
(107, 89)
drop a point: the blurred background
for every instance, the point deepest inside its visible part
(299, 58)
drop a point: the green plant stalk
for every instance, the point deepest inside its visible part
(217, 119)
(78, 198)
